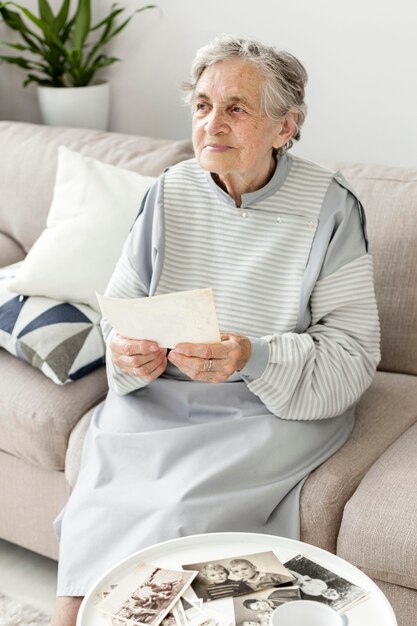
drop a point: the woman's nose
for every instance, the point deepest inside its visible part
(216, 121)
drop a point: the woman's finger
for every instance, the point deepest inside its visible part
(202, 350)
(129, 362)
(209, 370)
(131, 347)
(150, 369)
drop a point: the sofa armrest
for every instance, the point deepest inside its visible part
(386, 410)
(378, 528)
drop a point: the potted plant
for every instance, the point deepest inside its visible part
(62, 52)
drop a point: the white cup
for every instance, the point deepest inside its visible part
(307, 613)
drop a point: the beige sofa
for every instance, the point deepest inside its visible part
(361, 503)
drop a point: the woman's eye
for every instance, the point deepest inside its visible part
(237, 110)
(200, 106)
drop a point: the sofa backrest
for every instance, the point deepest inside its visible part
(28, 157)
(389, 196)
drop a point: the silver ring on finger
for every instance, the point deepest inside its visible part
(210, 365)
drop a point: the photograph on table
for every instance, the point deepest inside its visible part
(255, 609)
(103, 593)
(318, 583)
(197, 615)
(238, 575)
(146, 595)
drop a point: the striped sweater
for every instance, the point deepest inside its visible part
(289, 268)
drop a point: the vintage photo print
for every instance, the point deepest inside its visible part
(147, 595)
(255, 609)
(236, 576)
(103, 593)
(196, 615)
(318, 583)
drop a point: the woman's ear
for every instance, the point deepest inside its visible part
(287, 129)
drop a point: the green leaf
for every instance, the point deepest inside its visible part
(16, 46)
(81, 24)
(49, 34)
(62, 16)
(33, 78)
(15, 60)
(31, 43)
(45, 12)
(108, 21)
(13, 20)
(61, 43)
(110, 17)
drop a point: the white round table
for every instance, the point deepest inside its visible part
(197, 548)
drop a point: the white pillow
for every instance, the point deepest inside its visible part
(93, 207)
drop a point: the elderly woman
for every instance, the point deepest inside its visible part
(282, 243)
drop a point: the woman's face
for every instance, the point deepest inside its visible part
(231, 134)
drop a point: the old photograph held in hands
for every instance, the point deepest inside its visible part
(231, 591)
(183, 316)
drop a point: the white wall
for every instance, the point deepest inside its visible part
(361, 56)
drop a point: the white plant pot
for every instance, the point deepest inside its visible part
(79, 107)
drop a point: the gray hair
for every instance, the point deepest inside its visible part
(284, 76)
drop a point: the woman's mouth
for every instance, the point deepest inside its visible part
(217, 147)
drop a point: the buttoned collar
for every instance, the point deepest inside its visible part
(249, 199)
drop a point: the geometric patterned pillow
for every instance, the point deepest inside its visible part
(63, 340)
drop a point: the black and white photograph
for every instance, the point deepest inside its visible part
(103, 593)
(195, 615)
(169, 620)
(318, 583)
(147, 595)
(255, 609)
(236, 576)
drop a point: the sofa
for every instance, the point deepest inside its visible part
(359, 504)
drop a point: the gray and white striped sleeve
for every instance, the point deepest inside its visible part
(126, 282)
(321, 372)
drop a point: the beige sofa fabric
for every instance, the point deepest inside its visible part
(75, 448)
(28, 157)
(10, 251)
(390, 199)
(378, 531)
(31, 498)
(403, 601)
(385, 412)
(37, 416)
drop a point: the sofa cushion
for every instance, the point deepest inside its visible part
(62, 340)
(28, 157)
(387, 409)
(402, 600)
(37, 416)
(93, 208)
(75, 448)
(378, 531)
(10, 251)
(389, 196)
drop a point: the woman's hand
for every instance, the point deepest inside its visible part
(138, 357)
(212, 362)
